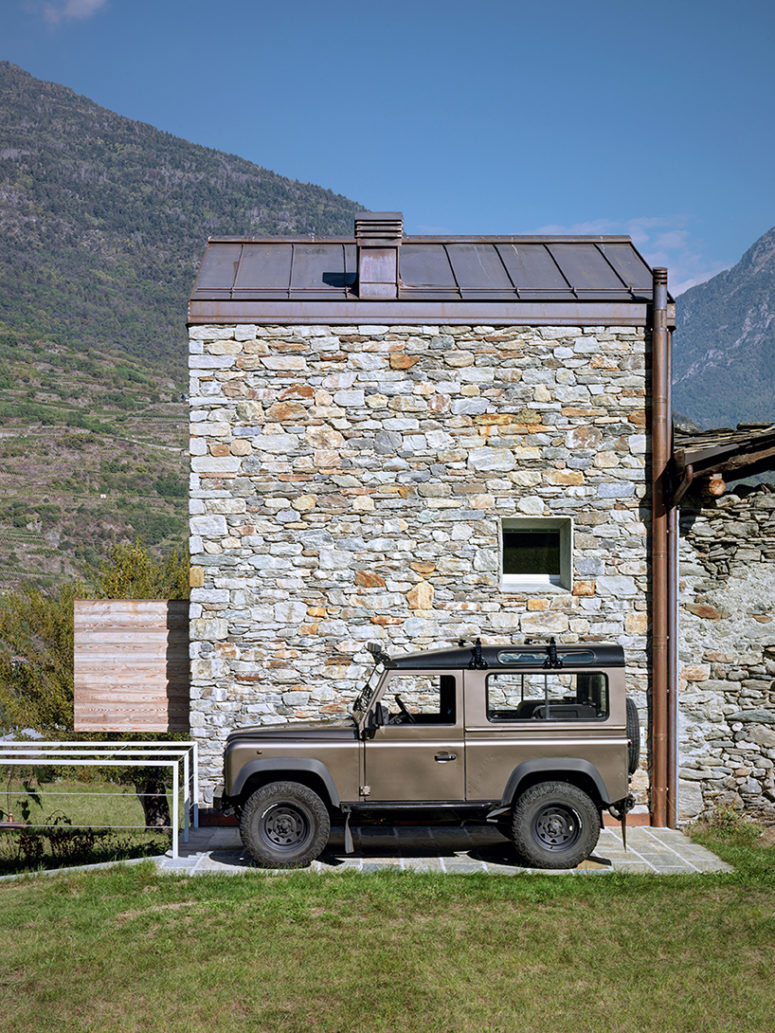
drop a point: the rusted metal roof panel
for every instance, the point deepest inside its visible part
(239, 276)
(426, 267)
(219, 269)
(533, 271)
(322, 269)
(266, 268)
(586, 269)
(478, 267)
(629, 266)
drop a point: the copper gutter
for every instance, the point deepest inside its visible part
(660, 615)
(674, 567)
(391, 311)
(672, 646)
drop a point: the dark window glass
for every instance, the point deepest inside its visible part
(429, 698)
(547, 696)
(531, 552)
(569, 659)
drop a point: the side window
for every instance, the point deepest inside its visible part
(536, 552)
(547, 696)
(426, 698)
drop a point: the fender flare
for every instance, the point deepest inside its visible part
(286, 765)
(554, 766)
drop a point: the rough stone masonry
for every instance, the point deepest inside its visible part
(727, 653)
(348, 484)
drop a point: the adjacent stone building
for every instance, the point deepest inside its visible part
(412, 440)
(726, 671)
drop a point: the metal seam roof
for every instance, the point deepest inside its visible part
(251, 277)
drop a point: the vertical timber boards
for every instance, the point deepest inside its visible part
(131, 665)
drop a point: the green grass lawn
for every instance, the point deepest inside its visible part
(108, 809)
(130, 950)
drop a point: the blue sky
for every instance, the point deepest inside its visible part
(505, 117)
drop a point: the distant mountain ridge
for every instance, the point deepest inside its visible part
(724, 352)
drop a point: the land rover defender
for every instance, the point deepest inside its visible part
(538, 739)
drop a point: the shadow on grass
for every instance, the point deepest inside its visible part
(60, 846)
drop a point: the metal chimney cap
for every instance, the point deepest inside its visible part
(365, 216)
(379, 228)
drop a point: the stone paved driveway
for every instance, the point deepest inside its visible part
(455, 850)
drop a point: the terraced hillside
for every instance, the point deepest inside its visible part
(87, 460)
(103, 222)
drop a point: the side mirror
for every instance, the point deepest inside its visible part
(376, 718)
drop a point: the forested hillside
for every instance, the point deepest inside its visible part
(104, 219)
(103, 222)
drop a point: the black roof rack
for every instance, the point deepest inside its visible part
(514, 655)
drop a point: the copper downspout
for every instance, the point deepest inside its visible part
(672, 701)
(674, 570)
(660, 620)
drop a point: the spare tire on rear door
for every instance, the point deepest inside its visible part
(633, 734)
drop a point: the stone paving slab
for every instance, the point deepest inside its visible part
(451, 849)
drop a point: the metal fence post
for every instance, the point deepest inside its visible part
(186, 797)
(175, 815)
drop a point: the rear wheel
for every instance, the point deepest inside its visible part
(284, 825)
(555, 825)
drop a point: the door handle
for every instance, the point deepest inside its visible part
(442, 757)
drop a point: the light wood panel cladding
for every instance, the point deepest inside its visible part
(131, 665)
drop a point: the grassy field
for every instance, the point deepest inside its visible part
(109, 810)
(130, 950)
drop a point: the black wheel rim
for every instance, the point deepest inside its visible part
(557, 827)
(284, 827)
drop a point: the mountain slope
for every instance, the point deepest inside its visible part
(724, 357)
(103, 222)
(104, 219)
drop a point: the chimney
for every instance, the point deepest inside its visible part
(378, 236)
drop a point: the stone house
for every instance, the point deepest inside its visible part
(725, 699)
(418, 439)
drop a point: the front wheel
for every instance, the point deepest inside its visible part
(284, 825)
(555, 825)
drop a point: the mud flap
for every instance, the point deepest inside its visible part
(348, 836)
(619, 811)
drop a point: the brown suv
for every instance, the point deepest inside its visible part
(538, 739)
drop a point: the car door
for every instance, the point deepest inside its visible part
(417, 755)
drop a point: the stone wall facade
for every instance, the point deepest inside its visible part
(727, 653)
(348, 484)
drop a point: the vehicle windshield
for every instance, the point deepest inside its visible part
(368, 692)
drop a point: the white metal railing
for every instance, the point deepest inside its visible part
(127, 753)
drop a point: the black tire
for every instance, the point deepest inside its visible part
(555, 825)
(633, 734)
(284, 825)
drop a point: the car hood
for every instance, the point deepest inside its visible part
(297, 731)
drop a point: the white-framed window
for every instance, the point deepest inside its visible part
(536, 553)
